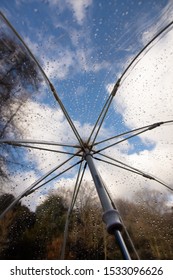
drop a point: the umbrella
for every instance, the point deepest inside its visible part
(81, 105)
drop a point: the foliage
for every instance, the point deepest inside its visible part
(12, 229)
(39, 235)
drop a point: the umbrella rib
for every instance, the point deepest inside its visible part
(51, 179)
(49, 173)
(99, 117)
(67, 115)
(120, 162)
(102, 117)
(116, 143)
(133, 130)
(24, 193)
(74, 197)
(53, 90)
(130, 239)
(38, 142)
(79, 185)
(131, 136)
(103, 113)
(145, 47)
(39, 148)
(134, 170)
(122, 167)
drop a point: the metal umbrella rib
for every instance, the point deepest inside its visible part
(145, 48)
(150, 127)
(54, 177)
(103, 114)
(133, 170)
(39, 148)
(77, 186)
(38, 142)
(25, 192)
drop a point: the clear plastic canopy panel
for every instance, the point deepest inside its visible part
(79, 76)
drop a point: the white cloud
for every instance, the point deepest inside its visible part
(79, 8)
(100, 66)
(145, 97)
(59, 67)
(71, 62)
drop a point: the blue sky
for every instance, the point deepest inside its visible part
(84, 46)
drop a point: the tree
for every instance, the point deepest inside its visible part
(13, 226)
(149, 224)
(19, 78)
(39, 235)
(5, 200)
(49, 227)
(88, 238)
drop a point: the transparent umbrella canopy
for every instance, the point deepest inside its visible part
(86, 129)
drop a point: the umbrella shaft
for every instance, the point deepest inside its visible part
(110, 215)
(104, 199)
